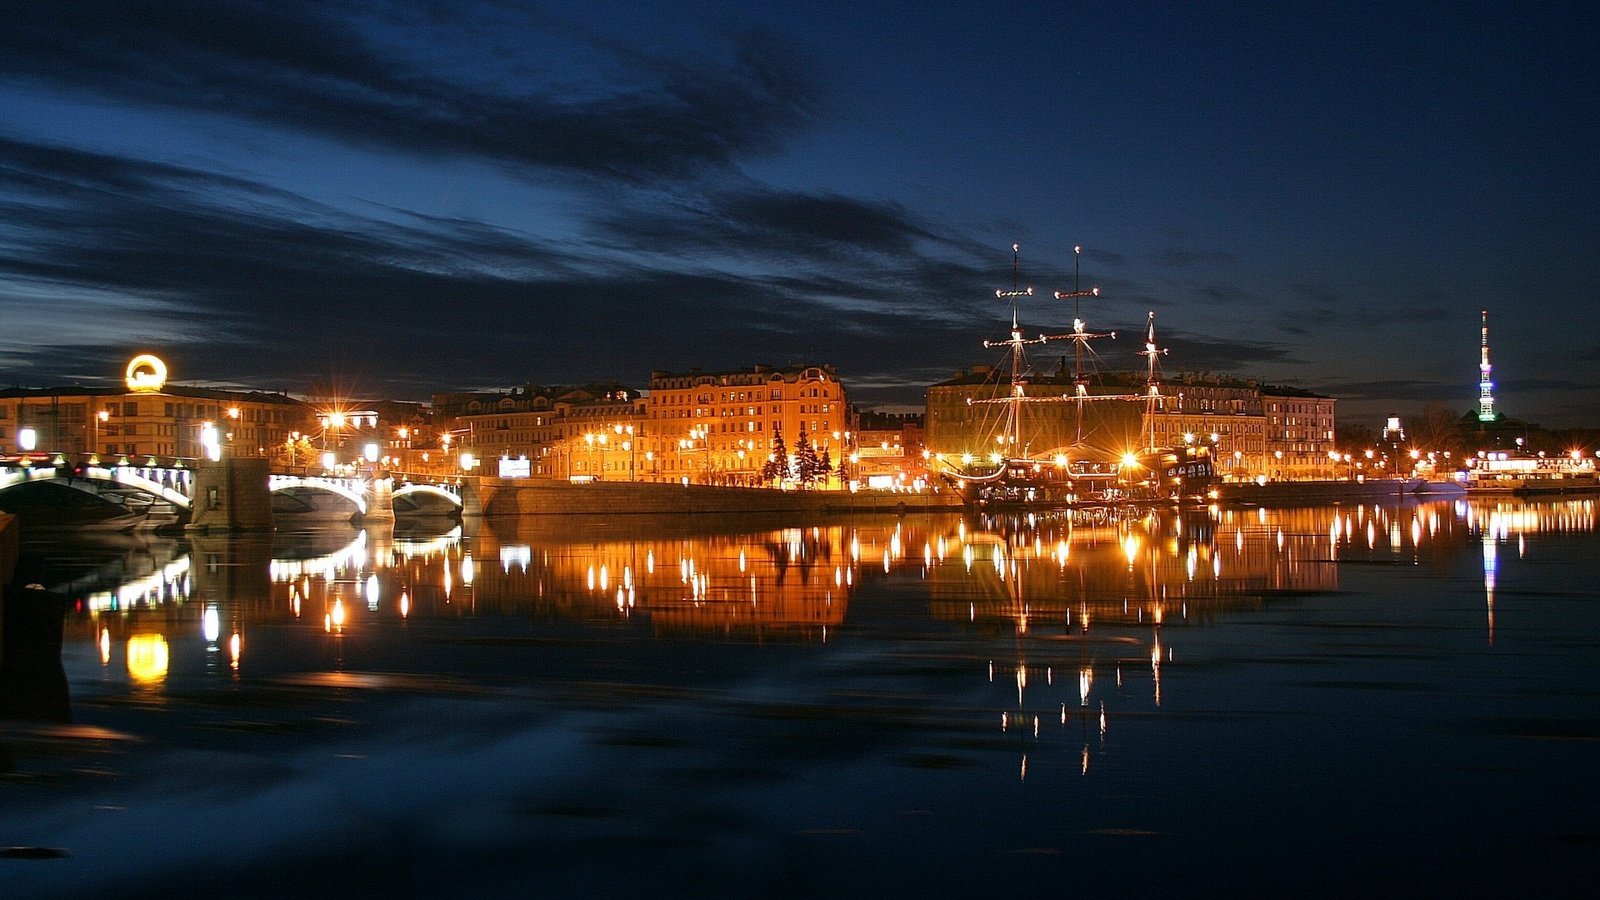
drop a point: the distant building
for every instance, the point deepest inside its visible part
(147, 416)
(720, 427)
(711, 427)
(1255, 430)
(588, 431)
(887, 450)
(1299, 436)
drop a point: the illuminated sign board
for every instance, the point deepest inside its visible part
(515, 468)
(146, 373)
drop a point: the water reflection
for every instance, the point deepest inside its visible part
(1103, 586)
(1059, 694)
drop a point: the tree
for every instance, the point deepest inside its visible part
(776, 468)
(1355, 437)
(1438, 429)
(807, 465)
(825, 464)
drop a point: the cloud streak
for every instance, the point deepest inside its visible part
(324, 69)
(260, 283)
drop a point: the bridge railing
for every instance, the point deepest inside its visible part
(105, 460)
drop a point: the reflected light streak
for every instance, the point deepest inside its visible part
(1491, 562)
(147, 658)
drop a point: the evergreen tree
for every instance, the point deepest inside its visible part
(806, 463)
(776, 468)
(825, 465)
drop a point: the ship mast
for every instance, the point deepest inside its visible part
(1019, 380)
(1080, 338)
(1152, 382)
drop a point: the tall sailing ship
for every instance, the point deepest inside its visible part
(1079, 472)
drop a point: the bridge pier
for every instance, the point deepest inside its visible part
(231, 495)
(380, 502)
(8, 567)
(475, 495)
(9, 531)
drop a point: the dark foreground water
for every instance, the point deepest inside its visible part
(1335, 701)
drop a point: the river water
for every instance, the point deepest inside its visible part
(1334, 701)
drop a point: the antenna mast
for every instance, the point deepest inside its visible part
(1485, 384)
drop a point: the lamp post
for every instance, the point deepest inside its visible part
(687, 445)
(588, 438)
(625, 433)
(100, 419)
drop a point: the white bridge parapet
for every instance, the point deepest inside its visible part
(176, 484)
(172, 484)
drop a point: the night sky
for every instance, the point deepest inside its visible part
(400, 198)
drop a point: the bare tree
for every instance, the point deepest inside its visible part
(1438, 429)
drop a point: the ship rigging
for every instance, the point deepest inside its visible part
(1072, 475)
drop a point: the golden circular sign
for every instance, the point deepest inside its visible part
(146, 373)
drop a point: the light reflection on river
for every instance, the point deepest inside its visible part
(1220, 699)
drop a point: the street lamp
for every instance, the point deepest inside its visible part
(699, 433)
(210, 443)
(625, 433)
(100, 419)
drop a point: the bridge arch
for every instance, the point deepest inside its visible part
(154, 495)
(350, 489)
(429, 490)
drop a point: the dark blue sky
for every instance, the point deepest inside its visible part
(409, 197)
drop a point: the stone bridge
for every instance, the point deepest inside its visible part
(232, 494)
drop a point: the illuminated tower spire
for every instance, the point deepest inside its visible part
(1485, 384)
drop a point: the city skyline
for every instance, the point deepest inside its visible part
(406, 200)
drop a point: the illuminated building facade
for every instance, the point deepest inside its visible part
(706, 427)
(1256, 429)
(148, 417)
(1299, 438)
(719, 427)
(964, 415)
(887, 450)
(592, 431)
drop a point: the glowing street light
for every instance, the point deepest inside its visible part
(210, 443)
(101, 417)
